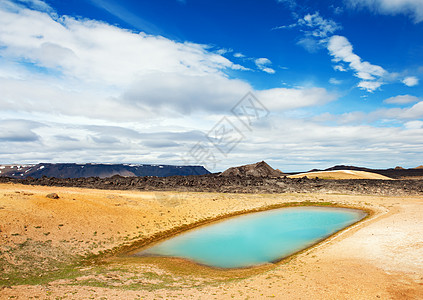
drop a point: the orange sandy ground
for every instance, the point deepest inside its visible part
(381, 257)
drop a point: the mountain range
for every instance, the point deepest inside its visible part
(72, 170)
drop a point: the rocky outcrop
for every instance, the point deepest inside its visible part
(260, 169)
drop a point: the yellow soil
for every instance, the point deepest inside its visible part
(378, 258)
(341, 174)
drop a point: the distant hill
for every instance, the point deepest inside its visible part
(257, 170)
(396, 173)
(419, 167)
(70, 170)
(341, 174)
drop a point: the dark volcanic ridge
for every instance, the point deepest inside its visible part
(71, 170)
(235, 184)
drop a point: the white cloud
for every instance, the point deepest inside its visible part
(269, 70)
(402, 99)
(339, 68)
(316, 31)
(411, 81)
(414, 125)
(239, 55)
(224, 51)
(93, 51)
(313, 25)
(342, 51)
(283, 99)
(413, 8)
(37, 4)
(318, 26)
(369, 86)
(18, 131)
(262, 61)
(184, 94)
(414, 112)
(263, 65)
(84, 90)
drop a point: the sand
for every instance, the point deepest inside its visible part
(380, 257)
(341, 174)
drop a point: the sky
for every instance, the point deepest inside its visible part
(300, 84)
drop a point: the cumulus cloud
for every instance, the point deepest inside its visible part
(263, 65)
(410, 81)
(94, 51)
(402, 99)
(84, 90)
(184, 93)
(414, 8)
(342, 51)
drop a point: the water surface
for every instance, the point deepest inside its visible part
(257, 238)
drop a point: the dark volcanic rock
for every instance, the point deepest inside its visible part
(260, 169)
(52, 196)
(235, 184)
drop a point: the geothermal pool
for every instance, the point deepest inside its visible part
(256, 238)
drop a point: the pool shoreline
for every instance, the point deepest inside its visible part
(129, 251)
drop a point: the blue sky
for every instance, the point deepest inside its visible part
(152, 81)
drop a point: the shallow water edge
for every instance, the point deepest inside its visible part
(130, 250)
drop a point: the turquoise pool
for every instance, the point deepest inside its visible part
(256, 238)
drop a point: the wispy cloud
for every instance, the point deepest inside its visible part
(335, 81)
(402, 99)
(290, 3)
(37, 4)
(127, 16)
(315, 29)
(239, 55)
(318, 33)
(414, 8)
(264, 65)
(314, 25)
